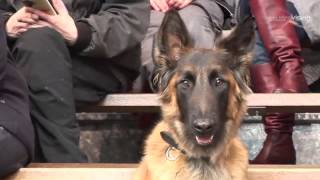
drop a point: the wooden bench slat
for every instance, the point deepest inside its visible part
(309, 102)
(82, 165)
(125, 172)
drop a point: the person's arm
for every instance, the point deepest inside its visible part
(16, 21)
(115, 29)
(6, 9)
(3, 49)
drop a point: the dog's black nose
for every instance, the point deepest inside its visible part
(202, 126)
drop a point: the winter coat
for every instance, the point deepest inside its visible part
(106, 30)
(14, 104)
(106, 27)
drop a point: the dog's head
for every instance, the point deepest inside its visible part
(202, 90)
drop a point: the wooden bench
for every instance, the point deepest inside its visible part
(150, 103)
(256, 102)
(125, 172)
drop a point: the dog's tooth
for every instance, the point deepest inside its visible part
(204, 141)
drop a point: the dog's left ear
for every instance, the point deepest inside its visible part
(239, 45)
(172, 38)
(240, 40)
(169, 45)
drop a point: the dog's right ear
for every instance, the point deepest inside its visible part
(169, 45)
(239, 45)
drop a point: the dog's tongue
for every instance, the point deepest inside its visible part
(204, 140)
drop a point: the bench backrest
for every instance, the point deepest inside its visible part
(256, 102)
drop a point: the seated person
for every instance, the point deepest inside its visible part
(203, 19)
(277, 66)
(16, 131)
(89, 49)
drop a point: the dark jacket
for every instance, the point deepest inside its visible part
(14, 105)
(107, 29)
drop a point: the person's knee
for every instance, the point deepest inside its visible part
(39, 40)
(42, 48)
(42, 56)
(194, 17)
(13, 154)
(199, 26)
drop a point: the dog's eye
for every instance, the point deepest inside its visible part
(186, 84)
(219, 81)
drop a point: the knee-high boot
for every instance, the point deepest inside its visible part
(278, 147)
(280, 40)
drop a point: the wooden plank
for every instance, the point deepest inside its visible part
(72, 174)
(127, 103)
(256, 102)
(82, 165)
(125, 172)
(277, 172)
(308, 102)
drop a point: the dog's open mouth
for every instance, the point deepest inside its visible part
(204, 140)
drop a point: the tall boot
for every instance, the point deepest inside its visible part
(280, 40)
(278, 147)
(278, 34)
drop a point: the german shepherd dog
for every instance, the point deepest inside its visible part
(203, 103)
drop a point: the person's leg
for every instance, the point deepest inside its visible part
(277, 68)
(142, 82)
(199, 27)
(278, 147)
(43, 58)
(93, 80)
(280, 39)
(13, 154)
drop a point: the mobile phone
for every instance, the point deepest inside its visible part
(42, 5)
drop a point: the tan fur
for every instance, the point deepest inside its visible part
(229, 161)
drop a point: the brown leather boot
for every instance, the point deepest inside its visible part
(278, 147)
(278, 34)
(276, 29)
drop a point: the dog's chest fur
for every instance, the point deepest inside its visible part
(183, 168)
(202, 169)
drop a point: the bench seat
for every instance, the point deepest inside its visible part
(125, 172)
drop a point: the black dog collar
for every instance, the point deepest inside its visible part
(166, 136)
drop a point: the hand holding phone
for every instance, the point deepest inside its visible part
(42, 5)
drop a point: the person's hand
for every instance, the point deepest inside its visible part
(20, 22)
(159, 5)
(62, 22)
(178, 3)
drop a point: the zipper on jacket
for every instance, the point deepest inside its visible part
(225, 6)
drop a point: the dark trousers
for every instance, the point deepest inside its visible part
(199, 28)
(58, 80)
(13, 154)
